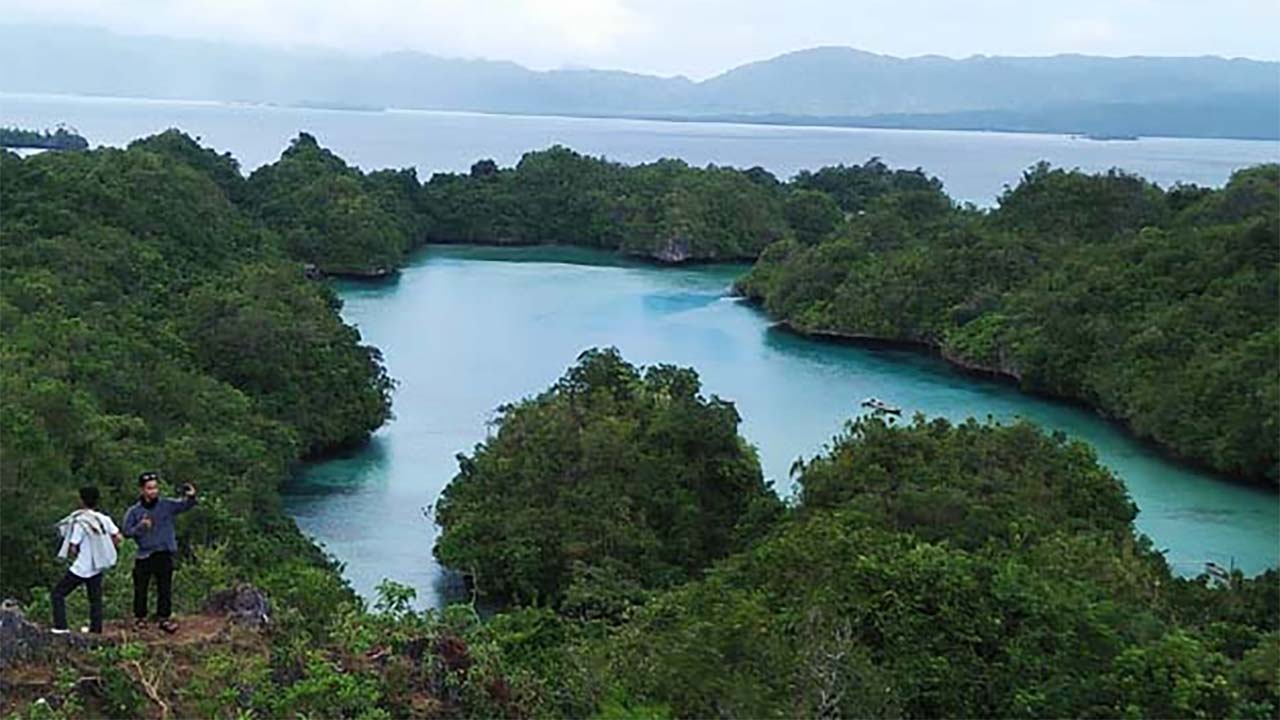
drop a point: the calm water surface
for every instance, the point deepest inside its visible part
(974, 166)
(467, 329)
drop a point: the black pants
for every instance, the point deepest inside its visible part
(65, 586)
(158, 565)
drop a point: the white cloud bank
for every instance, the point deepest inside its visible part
(693, 37)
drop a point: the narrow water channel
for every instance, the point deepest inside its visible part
(464, 330)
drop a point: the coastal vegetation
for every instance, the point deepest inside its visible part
(332, 215)
(149, 323)
(60, 138)
(666, 210)
(157, 312)
(923, 570)
(1155, 306)
(615, 481)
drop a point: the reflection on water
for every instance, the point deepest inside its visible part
(347, 472)
(465, 331)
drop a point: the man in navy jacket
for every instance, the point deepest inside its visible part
(150, 523)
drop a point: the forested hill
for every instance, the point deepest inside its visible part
(156, 313)
(149, 322)
(1156, 306)
(665, 210)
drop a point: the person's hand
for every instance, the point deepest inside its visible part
(146, 522)
(190, 490)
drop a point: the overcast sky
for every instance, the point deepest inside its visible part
(697, 38)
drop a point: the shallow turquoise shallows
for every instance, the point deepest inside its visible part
(464, 330)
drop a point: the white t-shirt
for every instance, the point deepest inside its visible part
(97, 551)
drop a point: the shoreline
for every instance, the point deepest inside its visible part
(1180, 565)
(921, 347)
(638, 258)
(974, 370)
(782, 121)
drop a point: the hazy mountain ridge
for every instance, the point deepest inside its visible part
(844, 81)
(830, 85)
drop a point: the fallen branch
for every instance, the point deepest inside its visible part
(150, 688)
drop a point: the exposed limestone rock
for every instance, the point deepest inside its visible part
(22, 640)
(244, 605)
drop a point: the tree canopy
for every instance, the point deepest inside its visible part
(332, 215)
(940, 570)
(665, 210)
(615, 481)
(1157, 307)
(149, 323)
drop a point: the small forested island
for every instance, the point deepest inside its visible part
(59, 138)
(161, 309)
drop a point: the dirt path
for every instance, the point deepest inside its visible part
(191, 629)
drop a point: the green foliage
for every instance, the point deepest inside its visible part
(120, 696)
(228, 684)
(664, 210)
(149, 323)
(881, 596)
(394, 599)
(811, 214)
(325, 690)
(221, 168)
(971, 484)
(333, 216)
(1158, 308)
(256, 331)
(853, 187)
(615, 480)
(60, 138)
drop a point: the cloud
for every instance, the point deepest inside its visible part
(538, 31)
(694, 37)
(1087, 34)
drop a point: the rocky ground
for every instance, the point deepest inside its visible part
(38, 667)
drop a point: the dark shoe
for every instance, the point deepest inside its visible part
(169, 626)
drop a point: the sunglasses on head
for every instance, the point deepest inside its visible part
(149, 476)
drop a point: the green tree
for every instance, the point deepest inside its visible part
(812, 215)
(616, 480)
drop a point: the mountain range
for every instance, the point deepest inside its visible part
(1177, 96)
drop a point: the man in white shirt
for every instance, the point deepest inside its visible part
(89, 538)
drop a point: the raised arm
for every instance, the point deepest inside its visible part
(182, 504)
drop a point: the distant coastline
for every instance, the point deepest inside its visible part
(994, 121)
(60, 138)
(922, 122)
